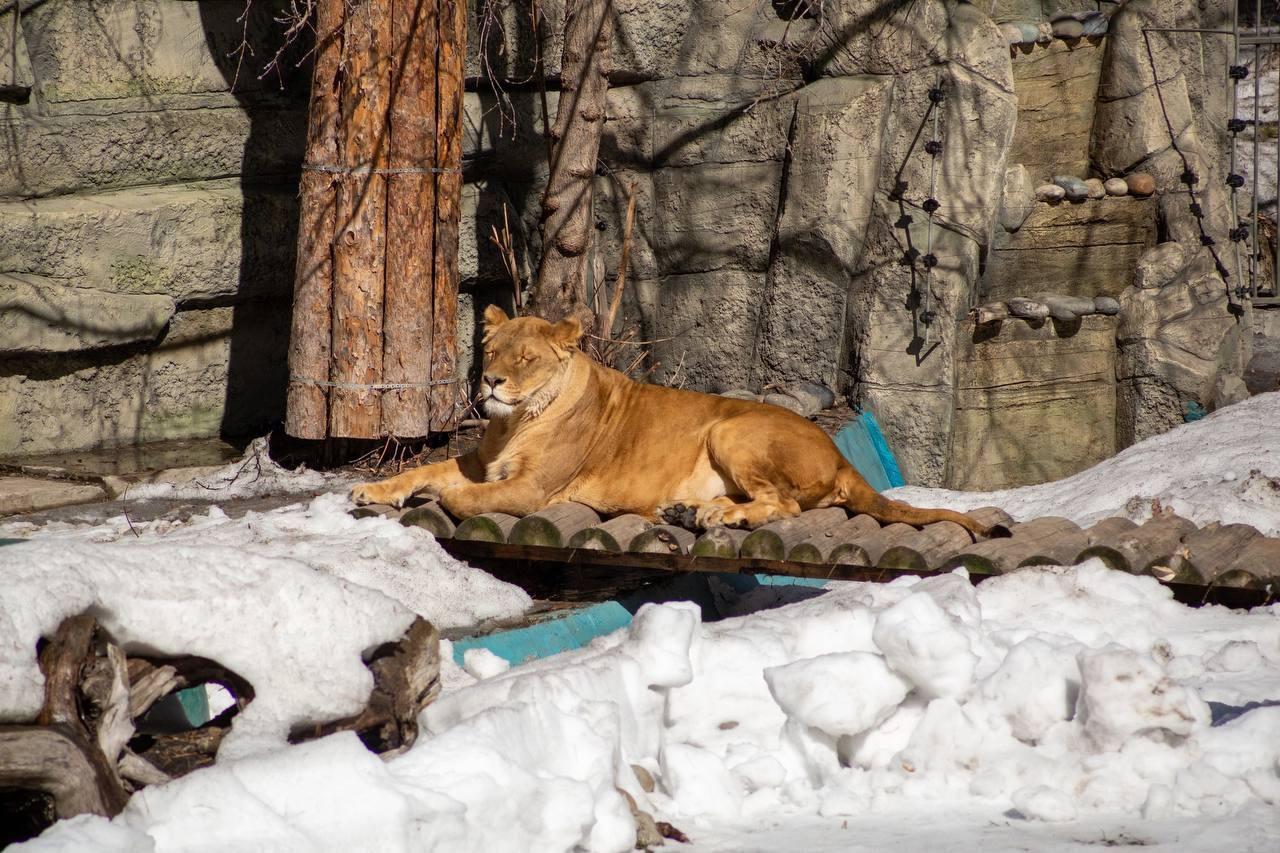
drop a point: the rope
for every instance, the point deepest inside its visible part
(373, 386)
(370, 170)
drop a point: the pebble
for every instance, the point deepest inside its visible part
(1140, 184)
(1106, 305)
(1116, 186)
(810, 403)
(826, 397)
(1050, 193)
(1068, 28)
(1096, 24)
(1095, 188)
(1045, 30)
(786, 401)
(1073, 186)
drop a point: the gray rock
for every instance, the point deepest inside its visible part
(1075, 189)
(1028, 309)
(1050, 193)
(825, 397)
(1045, 32)
(741, 394)
(43, 315)
(1095, 25)
(1116, 186)
(1094, 188)
(1068, 28)
(786, 401)
(1159, 266)
(1018, 199)
(1228, 389)
(1106, 305)
(810, 404)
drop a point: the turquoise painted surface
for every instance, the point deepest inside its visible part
(863, 445)
(11, 541)
(195, 705)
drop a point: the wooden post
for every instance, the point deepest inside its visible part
(566, 205)
(309, 340)
(359, 251)
(452, 41)
(411, 205)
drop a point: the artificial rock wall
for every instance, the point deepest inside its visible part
(776, 150)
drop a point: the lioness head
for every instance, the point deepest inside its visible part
(524, 361)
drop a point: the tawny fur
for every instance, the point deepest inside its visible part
(564, 428)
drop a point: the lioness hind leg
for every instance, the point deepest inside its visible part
(762, 509)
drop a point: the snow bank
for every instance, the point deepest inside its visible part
(296, 635)
(1058, 695)
(405, 563)
(1220, 468)
(255, 474)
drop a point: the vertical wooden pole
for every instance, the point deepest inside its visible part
(309, 339)
(359, 251)
(408, 342)
(566, 205)
(452, 49)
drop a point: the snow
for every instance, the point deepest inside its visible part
(405, 563)
(255, 474)
(1221, 468)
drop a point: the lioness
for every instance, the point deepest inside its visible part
(565, 428)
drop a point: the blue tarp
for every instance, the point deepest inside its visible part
(862, 443)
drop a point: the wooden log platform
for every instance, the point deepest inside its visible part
(580, 557)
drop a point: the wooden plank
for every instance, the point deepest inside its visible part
(1140, 548)
(488, 527)
(57, 760)
(663, 539)
(927, 547)
(1212, 550)
(612, 535)
(997, 519)
(874, 544)
(359, 249)
(430, 517)
(819, 548)
(1109, 528)
(719, 542)
(994, 556)
(1260, 557)
(411, 213)
(307, 410)
(1048, 541)
(451, 38)
(554, 526)
(775, 540)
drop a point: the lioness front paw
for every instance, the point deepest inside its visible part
(377, 493)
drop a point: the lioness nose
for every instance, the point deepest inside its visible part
(494, 381)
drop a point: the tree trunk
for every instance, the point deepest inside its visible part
(309, 340)
(566, 205)
(411, 202)
(452, 18)
(360, 249)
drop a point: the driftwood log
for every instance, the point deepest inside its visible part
(84, 754)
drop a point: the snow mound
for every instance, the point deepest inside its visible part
(255, 474)
(1082, 693)
(405, 563)
(1220, 468)
(296, 635)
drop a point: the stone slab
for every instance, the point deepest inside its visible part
(1057, 87)
(29, 494)
(1087, 248)
(41, 315)
(1032, 404)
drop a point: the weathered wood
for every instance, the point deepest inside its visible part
(359, 250)
(411, 201)
(1138, 549)
(1049, 541)
(989, 556)
(430, 517)
(138, 770)
(927, 547)
(149, 684)
(554, 526)
(773, 541)
(820, 547)
(488, 527)
(307, 411)
(1260, 557)
(62, 661)
(874, 544)
(721, 542)
(1109, 528)
(992, 516)
(451, 40)
(1212, 550)
(105, 691)
(992, 312)
(179, 753)
(612, 535)
(566, 204)
(59, 761)
(406, 678)
(663, 539)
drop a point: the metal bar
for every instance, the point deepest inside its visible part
(1270, 38)
(1235, 97)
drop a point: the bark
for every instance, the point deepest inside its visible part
(452, 40)
(561, 288)
(360, 248)
(411, 199)
(309, 339)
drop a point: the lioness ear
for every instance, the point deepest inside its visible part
(567, 332)
(493, 318)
